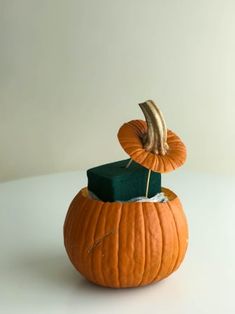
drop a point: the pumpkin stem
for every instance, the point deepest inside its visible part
(155, 140)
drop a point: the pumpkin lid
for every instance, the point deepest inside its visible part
(150, 143)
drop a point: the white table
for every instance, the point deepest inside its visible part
(37, 277)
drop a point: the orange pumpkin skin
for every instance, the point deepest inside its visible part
(130, 137)
(124, 245)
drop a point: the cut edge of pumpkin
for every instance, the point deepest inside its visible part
(169, 194)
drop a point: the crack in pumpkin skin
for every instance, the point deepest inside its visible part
(85, 234)
(126, 249)
(99, 242)
(97, 256)
(91, 235)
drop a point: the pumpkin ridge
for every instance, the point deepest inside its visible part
(155, 164)
(75, 220)
(81, 208)
(148, 161)
(109, 245)
(102, 247)
(139, 125)
(67, 222)
(177, 234)
(86, 230)
(134, 239)
(161, 163)
(95, 263)
(128, 138)
(170, 239)
(155, 237)
(142, 162)
(145, 243)
(129, 145)
(70, 220)
(118, 246)
(164, 162)
(173, 162)
(170, 161)
(69, 227)
(79, 243)
(131, 263)
(162, 233)
(91, 247)
(136, 153)
(181, 222)
(175, 141)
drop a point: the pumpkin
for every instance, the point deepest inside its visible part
(163, 151)
(122, 245)
(131, 244)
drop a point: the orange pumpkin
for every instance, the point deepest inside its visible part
(163, 150)
(131, 244)
(121, 245)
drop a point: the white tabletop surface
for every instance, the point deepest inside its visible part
(37, 277)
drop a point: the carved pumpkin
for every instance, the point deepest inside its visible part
(122, 245)
(130, 244)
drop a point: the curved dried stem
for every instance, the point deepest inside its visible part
(155, 140)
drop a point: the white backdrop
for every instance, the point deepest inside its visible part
(73, 71)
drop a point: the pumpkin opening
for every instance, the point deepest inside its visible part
(167, 192)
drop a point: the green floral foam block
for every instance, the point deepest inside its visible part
(114, 182)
